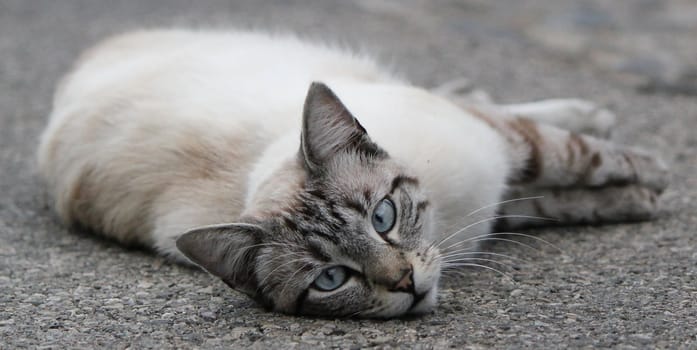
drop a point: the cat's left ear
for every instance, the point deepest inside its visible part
(227, 251)
(329, 128)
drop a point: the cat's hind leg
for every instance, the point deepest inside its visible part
(580, 116)
(577, 115)
(463, 93)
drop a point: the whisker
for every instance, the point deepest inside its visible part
(240, 253)
(493, 218)
(289, 279)
(504, 202)
(492, 235)
(544, 241)
(468, 240)
(509, 241)
(479, 265)
(473, 239)
(278, 267)
(280, 256)
(273, 244)
(359, 311)
(457, 261)
(445, 257)
(268, 275)
(268, 262)
(437, 240)
(369, 309)
(462, 249)
(499, 203)
(439, 243)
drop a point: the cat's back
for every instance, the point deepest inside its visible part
(152, 117)
(237, 67)
(231, 81)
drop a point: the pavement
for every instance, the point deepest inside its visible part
(621, 286)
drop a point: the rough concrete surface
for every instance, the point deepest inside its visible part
(621, 286)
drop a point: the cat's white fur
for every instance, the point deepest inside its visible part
(243, 93)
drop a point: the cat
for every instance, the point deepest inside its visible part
(311, 178)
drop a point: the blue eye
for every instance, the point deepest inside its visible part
(331, 278)
(384, 216)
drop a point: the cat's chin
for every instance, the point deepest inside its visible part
(403, 304)
(426, 304)
(413, 306)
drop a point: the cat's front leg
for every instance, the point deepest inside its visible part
(528, 207)
(581, 178)
(547, 156)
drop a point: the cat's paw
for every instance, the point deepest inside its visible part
(650, 170)
(463, 91)
(575, 115)
(621, 166)
(628, 166)
(627, 203)
(588, 118)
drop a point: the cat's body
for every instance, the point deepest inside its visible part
(158, 133)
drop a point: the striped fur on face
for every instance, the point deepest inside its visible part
(327, 223)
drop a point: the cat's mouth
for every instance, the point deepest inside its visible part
(417, 299)
(422, 303)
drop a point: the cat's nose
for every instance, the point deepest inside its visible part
(406, 283)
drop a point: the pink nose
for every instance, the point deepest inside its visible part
(406, 283)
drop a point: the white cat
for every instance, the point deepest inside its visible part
(161, 133)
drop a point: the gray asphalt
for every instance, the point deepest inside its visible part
(621, 286)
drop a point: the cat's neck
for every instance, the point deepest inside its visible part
(275, 177)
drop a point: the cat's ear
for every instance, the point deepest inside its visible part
(227, 251)
(329, 128)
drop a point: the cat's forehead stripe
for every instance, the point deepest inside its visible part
(400, 179)
(288, 222)
(317, 193)
(367, 195)
(356, 206)
(318, 253)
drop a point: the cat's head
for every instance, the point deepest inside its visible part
(351, 239)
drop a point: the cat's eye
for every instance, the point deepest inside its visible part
(331, 278)
(384, 216)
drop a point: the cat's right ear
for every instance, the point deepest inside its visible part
(329, 128)
(227, 251)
